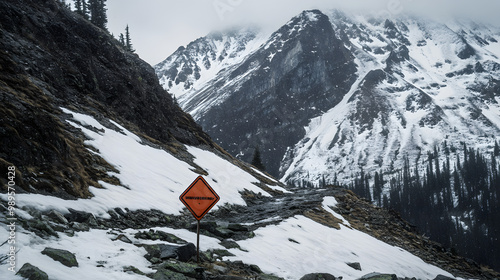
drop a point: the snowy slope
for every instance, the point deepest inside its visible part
(153, 179)
(320, 248)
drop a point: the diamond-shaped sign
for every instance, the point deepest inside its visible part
(199, 198)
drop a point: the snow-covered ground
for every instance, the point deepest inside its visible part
(153, 179)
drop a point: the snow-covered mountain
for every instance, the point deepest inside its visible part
(194, 67)
(331, 94)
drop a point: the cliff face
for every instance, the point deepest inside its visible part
(52, 58)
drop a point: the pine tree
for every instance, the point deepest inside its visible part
(98, 13)
(496, 150)
(257, 161)
(128, 41)
(78, 7)
(121, 39)
(81, 8)
(377, 189)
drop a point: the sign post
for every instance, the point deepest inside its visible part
(199, 198)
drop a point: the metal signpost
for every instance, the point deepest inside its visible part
(199, 198)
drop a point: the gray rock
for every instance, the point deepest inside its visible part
(133, 269)
(160, 235)
(228, 277)
(41, 228)
(270, 277)
(355, 265)
(123, 238)
(318, 276)
(238, 227)
(80, 226)
(187, 269)
(229, 244)
(165, 274)
(164, 251)
(57, 217)
(186, 252)
(65, 257)
(379, 276)
(442, 277)
(77, 216)
(31, 272)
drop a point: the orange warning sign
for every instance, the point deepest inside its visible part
(199, 198)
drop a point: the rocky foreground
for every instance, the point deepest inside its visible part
(172, 257)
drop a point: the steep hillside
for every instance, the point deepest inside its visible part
(46, 64)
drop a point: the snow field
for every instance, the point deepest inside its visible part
(98, 256)
(299, 245)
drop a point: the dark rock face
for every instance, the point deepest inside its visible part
(51, 57)
(304, 65)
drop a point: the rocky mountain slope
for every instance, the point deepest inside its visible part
(47, 64)
(330, 94)
(101, 154)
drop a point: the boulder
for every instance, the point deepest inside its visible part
(164, 274)
(41, 228)
(186, 252)
(159, 235)
(229, 277)
(123, 238)
(164, 251)
(318, 276)
(57, 217)
(187, 269)
(355, 265)
(176, 270)
(65, 257)
(379, 276)
(78, 216)
(80, 226)
(442, 277)
(31, 272)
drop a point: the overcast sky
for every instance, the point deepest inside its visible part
(159, 27)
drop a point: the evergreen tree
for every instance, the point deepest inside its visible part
(78, 6)
(377, 188)
(128, 41)
(121, 39)
(98, 13)
(81, 8)
(496, 150)
(459, 207)
(257, 161)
